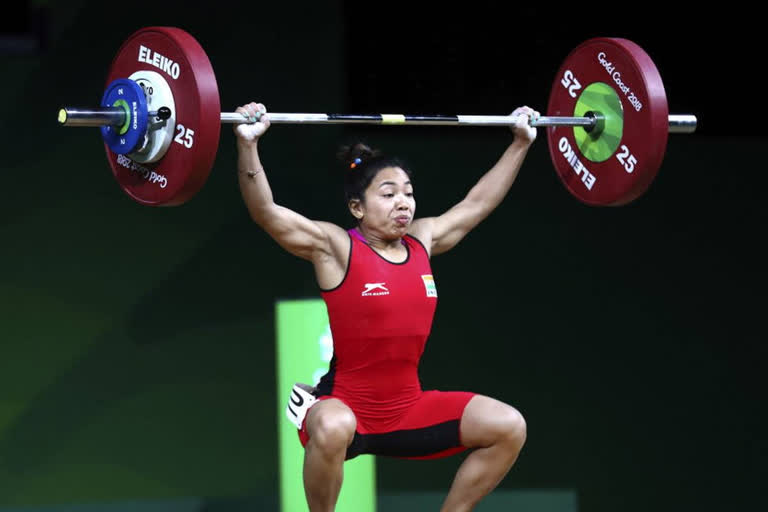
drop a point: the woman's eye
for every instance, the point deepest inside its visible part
(389, 195)
(409, 194)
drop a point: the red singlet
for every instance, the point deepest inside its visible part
(381, 315)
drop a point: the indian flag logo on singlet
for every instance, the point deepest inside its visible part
(429, 284)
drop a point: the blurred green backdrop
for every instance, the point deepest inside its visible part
(137, 344)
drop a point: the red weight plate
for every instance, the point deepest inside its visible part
(180, 59)
(627, 174)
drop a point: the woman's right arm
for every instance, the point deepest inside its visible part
(312, 240)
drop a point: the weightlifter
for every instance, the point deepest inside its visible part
(378, 287)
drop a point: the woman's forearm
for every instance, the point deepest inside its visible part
(253, 181)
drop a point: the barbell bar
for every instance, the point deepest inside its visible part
(95, 117)
(606, 122)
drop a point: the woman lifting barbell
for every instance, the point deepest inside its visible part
(381, 298)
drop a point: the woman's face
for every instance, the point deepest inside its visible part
(389, 204)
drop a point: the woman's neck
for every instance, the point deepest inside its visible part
(379, 243)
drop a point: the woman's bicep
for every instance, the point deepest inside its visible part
(294, 232)
(452, 226)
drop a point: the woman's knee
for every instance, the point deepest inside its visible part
(331, 428)
(487, 421)
(514, 428)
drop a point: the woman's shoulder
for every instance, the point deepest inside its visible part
(415, 243)
(421, 234)
(337, 237)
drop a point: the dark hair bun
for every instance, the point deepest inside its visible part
(348, 154)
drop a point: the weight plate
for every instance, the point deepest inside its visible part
(127, 95)
(629, 171)
(183, 170)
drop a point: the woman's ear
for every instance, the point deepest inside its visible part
(356, 208)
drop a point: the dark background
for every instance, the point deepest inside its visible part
(136, 352)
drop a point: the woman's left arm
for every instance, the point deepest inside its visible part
(445, 231)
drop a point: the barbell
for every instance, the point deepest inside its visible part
(607, 119)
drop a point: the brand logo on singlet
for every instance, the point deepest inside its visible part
(429, 284)
(375, 289)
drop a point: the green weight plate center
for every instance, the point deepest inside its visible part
(601, 99)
